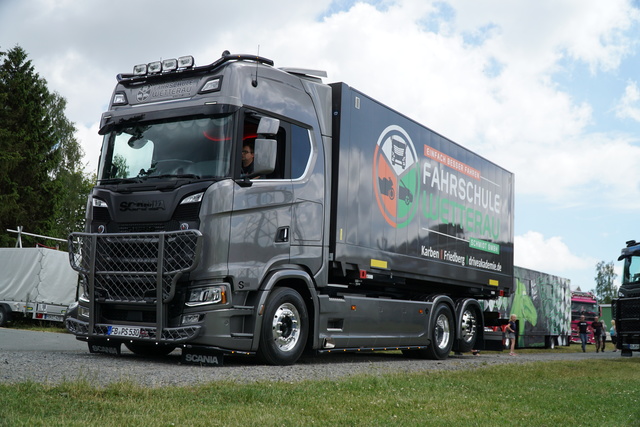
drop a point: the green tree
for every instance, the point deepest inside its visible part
(605, 288)
(42, 186)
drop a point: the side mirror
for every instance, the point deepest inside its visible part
(268, 126)
(264, 161)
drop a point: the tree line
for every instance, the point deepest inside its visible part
(42, 183)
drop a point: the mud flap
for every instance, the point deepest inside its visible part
(202, 357)
(104, 347)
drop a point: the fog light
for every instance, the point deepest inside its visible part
(190, 319)
(83, 312)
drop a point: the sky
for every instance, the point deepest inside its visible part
(547, 89)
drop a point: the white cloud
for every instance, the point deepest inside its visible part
(534, 251)
(628, 107)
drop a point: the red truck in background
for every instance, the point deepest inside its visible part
(583, 303)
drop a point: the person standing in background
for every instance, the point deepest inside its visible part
(614, 335)
(511, 333)
(598, 333)
(583, 329)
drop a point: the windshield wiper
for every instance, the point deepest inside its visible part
(169, 175)
(120, 181)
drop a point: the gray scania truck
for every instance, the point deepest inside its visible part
(626, 308)
(355, 228)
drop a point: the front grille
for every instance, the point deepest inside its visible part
(627, 313)
(132, 267)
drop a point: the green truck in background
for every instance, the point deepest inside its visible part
(542, 303)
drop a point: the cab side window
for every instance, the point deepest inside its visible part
(300, 151)
(293, 149)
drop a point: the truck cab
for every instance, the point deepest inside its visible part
(626, 308)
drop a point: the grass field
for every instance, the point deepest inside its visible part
(603, 392)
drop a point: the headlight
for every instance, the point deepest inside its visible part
(207, 295)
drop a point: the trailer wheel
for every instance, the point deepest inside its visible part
(551, 342)
(284, 328)
(4, 315)
(149, 349)
(468, 330)
(441, 333)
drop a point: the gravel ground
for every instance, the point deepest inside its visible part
(52, 358)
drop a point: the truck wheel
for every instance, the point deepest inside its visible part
(4, 315)
(284, 328)
(469, 330)
(149, 349)
(441, 334)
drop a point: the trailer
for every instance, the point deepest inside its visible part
(542, 303)
(359, 228)
(36, 283)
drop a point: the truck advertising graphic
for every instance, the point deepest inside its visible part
(357, 229)
(542, 303)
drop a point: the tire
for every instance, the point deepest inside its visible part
(149, 349)
(284, 329)
(4, 315)
(441, 334)
(468, 330)
(550, 342)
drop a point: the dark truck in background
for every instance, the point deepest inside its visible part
(626, 308)
(359, 229)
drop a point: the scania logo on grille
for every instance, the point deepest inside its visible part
(151, 205)
(144, 93)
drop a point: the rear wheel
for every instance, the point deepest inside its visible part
(149, 349)
(284, 328)
(469, 330)
(441, 333)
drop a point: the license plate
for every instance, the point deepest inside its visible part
(123, 331)
(53, 317)
(634, 346)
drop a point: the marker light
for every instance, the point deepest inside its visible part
(119, 99)
(140, 70)
(169, 65)
(185, 61)
(194, 198)
(155, 67)
(211, 86)
(97, 203)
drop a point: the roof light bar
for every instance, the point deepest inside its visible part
(165, 66)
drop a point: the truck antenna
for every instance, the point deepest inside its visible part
(254, 82)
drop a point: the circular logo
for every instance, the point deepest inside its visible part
(396, 176)
(143, 93)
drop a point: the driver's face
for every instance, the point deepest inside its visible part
(247, 156)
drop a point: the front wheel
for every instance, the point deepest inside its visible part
(441, 333)
(284, 328)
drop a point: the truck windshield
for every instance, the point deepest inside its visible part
(631, 272)
(186, 147)
(582, 308)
